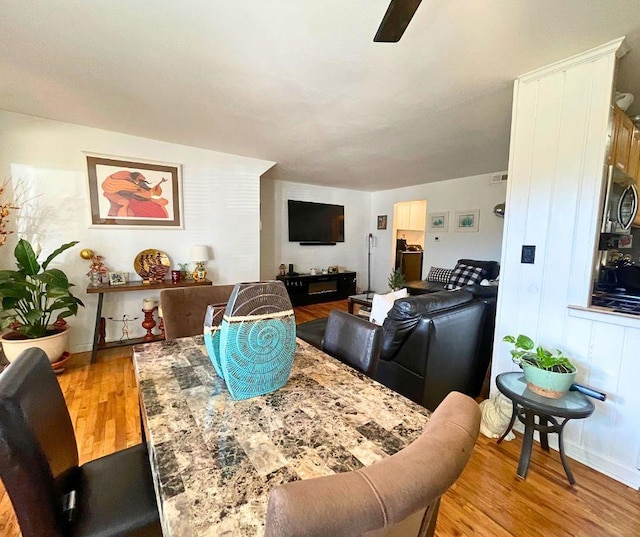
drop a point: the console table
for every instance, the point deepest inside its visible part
(99, 342)
(307, 289)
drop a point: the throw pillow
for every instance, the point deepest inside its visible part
(382, 304)
(464, 275)
(437, 274)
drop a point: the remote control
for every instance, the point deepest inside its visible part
(588, 391)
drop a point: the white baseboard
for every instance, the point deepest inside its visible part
(82, 347)
(627, 475)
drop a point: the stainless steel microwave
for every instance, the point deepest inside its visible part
(621, 202)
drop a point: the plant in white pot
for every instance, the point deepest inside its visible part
(546, 373)
(32, 297)
(396, 280)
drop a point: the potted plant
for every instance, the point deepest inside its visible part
(32, 297)
(396, 280)
(546, 373)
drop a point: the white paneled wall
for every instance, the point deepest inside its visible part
(221, 196)
(556, 169)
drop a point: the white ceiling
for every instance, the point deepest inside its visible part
(301, 82)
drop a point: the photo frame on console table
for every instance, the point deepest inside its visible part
(117, 278)
(134, 194)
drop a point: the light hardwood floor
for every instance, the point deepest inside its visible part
(488, 499)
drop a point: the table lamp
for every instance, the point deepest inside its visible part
(200, 255)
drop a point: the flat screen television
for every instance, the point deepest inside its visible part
(315, 223)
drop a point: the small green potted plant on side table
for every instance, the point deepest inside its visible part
(546, 373)
(32, 297)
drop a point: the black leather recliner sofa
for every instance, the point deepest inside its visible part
(491, 270)
(434, 343)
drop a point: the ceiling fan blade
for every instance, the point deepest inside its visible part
(396, 20)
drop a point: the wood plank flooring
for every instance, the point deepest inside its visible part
(487, 501)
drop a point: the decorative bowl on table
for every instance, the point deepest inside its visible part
(212, 319)
(257, 339)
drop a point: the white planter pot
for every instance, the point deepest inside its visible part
(54, 346)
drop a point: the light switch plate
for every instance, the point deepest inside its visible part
(528, 254)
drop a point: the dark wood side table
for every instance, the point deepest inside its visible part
(552, 414)
(99, 342)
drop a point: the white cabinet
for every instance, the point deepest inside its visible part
(418, 215)
(411, 215)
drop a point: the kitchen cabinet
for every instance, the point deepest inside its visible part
(624, 151)
(621, 140)
(401, 215)
(634, 155)
(418, 215)
(411, 215)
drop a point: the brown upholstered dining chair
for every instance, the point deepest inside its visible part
(398, 496)
(114, 495)
(353, 340)
(183, 309)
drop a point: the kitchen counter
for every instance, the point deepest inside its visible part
(215, 460)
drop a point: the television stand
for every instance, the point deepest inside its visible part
(305, 289)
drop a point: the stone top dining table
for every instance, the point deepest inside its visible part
(215, 460)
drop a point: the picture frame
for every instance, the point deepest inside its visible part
(382, 221)
(117, 278)
(468, 220)
(438, 221)
(126, 193)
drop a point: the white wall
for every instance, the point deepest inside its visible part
(221, 195)
(475, 192)
(557, 155)
(276, 248)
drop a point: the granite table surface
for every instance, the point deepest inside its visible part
(215, 460)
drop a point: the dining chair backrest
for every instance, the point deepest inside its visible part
(353, 340)
(184, 308)
(398, 496)
(113, 494)
(38, 450)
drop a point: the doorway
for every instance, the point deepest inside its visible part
(409, 224)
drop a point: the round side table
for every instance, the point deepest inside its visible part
(552, 415)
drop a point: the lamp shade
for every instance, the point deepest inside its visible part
(199, 252)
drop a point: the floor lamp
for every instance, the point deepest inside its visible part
(369, 244)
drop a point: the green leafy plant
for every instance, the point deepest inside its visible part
(185, 274)
(526, 352)
(33, 293)
(396, 280)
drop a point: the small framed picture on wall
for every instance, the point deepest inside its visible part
(438, 221)
(467, 220)
(382, 221)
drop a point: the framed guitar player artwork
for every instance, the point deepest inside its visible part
(140, 194)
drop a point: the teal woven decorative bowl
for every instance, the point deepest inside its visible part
(212, 319)
(257, 339)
